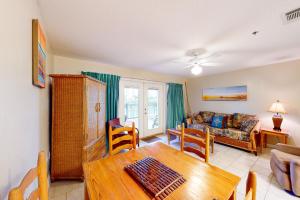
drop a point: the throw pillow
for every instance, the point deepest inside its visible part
(230, 121)
(248, 125)
(219, 121)
(238, 118)
(199, 119)
(116, 126)
(207, 116)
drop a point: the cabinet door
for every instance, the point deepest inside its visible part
(102, 112)
(92, 93)
(102, 119)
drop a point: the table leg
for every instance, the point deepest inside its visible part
(233, 196)
(212, 145)
(168, 135)
(284, 139)
(265, 140)
(261, 142)
(86, 195)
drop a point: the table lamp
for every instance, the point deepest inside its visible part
(278, 109)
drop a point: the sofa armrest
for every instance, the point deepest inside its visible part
(253, 132)
(189, 121)
(288, 149)
(295, 176)
(256, 128)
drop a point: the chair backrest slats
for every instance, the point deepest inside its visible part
(34, 195)
(28, 179)
(40, 172)
(118, 136)
(120, 148)
(195, 151)
(198, 138)
(122, 138)
(251, 186)
(121, 129)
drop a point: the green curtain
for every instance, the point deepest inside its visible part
(175, 105)
(112, 92)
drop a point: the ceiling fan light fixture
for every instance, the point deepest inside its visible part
(196, 70)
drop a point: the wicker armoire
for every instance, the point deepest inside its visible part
(78, 124)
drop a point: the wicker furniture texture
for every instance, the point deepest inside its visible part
(78, 124)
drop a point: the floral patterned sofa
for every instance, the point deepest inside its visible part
(237, 129)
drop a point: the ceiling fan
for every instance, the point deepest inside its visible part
(195, 59)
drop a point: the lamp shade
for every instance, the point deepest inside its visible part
(277, 107)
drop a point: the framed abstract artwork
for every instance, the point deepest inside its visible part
(235, 93)
(39, 55)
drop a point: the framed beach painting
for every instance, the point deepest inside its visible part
(235, 93)
(39, 55)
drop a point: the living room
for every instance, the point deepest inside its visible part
(224, 72)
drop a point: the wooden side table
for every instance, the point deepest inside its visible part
(178, 134)
(264, 132)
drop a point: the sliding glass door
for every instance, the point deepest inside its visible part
(142, 102)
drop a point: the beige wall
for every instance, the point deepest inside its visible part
(265, 85)
(24, 108)
(75, 66)
(66, 65)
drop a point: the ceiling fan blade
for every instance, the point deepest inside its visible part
(209, 64)
(215, 55)
(184, 59)
(188, 67)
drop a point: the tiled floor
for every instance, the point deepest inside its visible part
(233, 160)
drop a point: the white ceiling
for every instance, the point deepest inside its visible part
(150, 34)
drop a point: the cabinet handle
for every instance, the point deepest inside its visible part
(97, 107)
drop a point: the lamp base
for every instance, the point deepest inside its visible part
(277, 121)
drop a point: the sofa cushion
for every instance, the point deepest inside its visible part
(207, 116)
(200, 127)
(237, 134)
(219, 121)
(248, 125)
(282, 160)
(239, 117)
(229, 121)
(197, 119)
(229, 118)
(217, 131)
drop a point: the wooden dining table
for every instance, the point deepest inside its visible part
(107, 179)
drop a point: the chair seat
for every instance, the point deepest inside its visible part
(282, 160)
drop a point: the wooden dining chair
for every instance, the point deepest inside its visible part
(251, 186)
(199, 139)
(127, 141)
(39, 172)
(115, 123)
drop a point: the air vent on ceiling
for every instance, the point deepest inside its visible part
(291, 16)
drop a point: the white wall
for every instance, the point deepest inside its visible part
(265, 85)
(24, 108)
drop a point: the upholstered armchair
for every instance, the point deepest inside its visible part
(285, 164)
